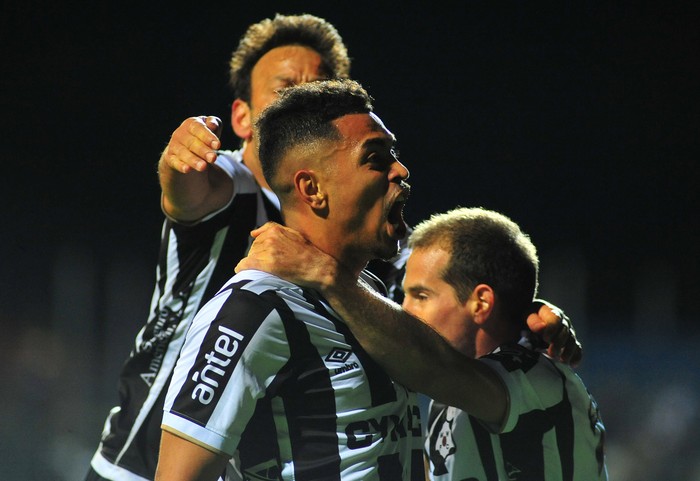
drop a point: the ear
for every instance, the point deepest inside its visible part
(307, 185)
(483, 299)
(241, 119)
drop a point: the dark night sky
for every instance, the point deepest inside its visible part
(578, 120)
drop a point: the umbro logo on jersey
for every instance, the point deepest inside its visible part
(209, 376)
(346, 368)
(338, 355)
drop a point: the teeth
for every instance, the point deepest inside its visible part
(396, 211)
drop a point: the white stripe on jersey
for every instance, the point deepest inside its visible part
(366, 432)
(178, 337)
(553, 427)
(156, 348)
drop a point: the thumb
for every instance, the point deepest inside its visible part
(536, 323)
(240, 266)
(255, 233)
(214, 124)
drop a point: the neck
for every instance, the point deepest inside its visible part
(251, 161)
(322, 235)
(494, 335)
(485, 344)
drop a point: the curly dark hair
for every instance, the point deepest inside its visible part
(306, 30)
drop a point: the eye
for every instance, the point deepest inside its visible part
(378, 161)
(383, 158)
(418, 296)
(282, 85)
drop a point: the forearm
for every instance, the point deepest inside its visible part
(414, 354)
(410, 351)
(192, 195)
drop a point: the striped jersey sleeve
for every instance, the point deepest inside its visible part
(195, 260)
(271, 378)
(553, 430)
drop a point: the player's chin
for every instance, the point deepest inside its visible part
(389, 246)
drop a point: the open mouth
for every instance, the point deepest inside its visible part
(396, 213)
(395, 216)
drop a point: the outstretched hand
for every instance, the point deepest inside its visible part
(193, 144)
(555, 328)
(284, 252)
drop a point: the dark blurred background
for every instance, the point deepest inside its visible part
(577, 119)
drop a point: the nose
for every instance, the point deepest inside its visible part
(407, 306)
(398, 172)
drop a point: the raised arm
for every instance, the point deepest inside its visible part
(416, 355)
(191, 184)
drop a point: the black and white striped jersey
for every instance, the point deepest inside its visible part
(270, 376)
(194, 262)
(553, 431)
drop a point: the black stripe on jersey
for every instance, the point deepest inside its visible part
(524, 444)
(241, 219)
(514, 357)
(483, 444)
(417, 465)
(193, 251)
(389, 467)
(226, 339)
(258, 454)
(309, 401)
(380, 384)
(142, 457)
(194, 244)
(166, 317)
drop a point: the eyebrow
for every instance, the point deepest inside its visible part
(416, 288)
(292, 80)
(379, 142)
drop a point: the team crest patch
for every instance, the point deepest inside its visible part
(338, 355)
(445, 444)
(442, 444)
